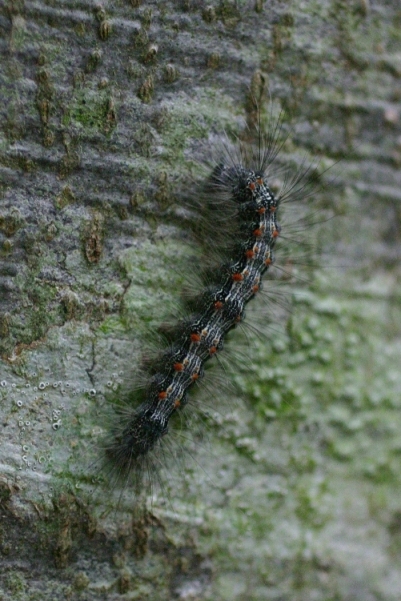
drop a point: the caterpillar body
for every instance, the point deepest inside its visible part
(244, 227)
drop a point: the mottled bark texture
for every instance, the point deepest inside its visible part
(106, 112)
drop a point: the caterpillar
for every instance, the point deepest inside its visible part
(243, 225)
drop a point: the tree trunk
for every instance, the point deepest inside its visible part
(107, 114)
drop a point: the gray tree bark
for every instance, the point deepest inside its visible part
(107, 112)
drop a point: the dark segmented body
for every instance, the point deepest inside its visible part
(221, 309)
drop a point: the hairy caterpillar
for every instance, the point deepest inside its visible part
(241, 228)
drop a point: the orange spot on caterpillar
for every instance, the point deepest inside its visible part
(177, 403)
(259, 181)
(237, 277)
(178, 366)
(249, 254)
(213, 350)
(255, 288)
(162, 395)
(275, 233)
(268, 261)
(272, 209)
(252, 186)
(258, 232)
(195, 337)
(261, 211)
(194, 377)
(218, 305)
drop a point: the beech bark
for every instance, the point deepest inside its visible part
(107, 114)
